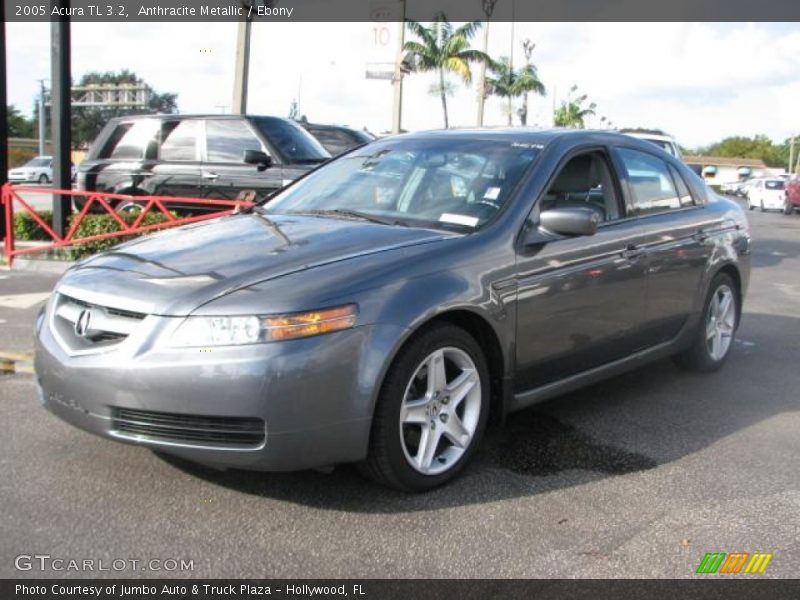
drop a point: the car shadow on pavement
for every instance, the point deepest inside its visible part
(626, 425)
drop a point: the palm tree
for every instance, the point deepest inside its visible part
(572, 113)
(509, 83)
(442, 49)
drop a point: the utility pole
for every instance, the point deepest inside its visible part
(242, 73)
(61, 84)
(397, 78)
(42, 118)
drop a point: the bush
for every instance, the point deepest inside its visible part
(99, 224)
(26, 229)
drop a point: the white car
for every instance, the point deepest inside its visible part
(38, 170)
(767, 194)
(665, 142)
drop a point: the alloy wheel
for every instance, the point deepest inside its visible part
(720, 322)
(440, 411)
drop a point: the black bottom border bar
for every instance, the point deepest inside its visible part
(417, 589)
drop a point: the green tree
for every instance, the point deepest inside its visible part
(572, 112)
(87, 121)
(442, 49)
(510, 83)
(758, 147)
(18, 124)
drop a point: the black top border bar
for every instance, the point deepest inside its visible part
(396, 10)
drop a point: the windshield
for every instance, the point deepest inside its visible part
(776, 184)
(447, 184)
(293, 143)
(38, 162)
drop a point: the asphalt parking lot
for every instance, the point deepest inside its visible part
(639, 476)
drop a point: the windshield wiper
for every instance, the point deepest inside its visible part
(351, 214)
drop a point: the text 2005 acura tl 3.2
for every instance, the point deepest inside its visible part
(381, 309)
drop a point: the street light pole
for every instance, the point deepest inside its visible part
(239, 105)
(397, 79)
(61, 89)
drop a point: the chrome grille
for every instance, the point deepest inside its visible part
(195, 430)
(81, 326)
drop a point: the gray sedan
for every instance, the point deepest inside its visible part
(384, 308)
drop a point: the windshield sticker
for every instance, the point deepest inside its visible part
(491, 193)
(459, 219)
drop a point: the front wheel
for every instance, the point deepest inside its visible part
(431, 412)
(787, 208)
(717, 328)
(762, 207)
(43, 180)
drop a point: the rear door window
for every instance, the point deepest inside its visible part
(131, 141)
(179, 140)
(227, 140)
(651, 184)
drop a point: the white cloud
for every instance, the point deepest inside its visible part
(699, 81)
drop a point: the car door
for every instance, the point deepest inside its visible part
(580, 300)
(224, 171)
(176, 172)
(676, 238)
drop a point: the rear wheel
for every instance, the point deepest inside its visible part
(431, 412)
(717, 328)
(787, 208)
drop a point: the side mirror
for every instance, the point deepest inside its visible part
(257, 157)
(573, 220)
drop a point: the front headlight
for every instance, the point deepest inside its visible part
(235, 331)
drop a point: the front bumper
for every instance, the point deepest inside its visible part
(313, 395)
(19, 178)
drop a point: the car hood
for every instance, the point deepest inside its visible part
(176, 271)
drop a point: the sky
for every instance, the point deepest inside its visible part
(700, 82)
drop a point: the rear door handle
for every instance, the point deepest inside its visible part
(632, 252)
(209, 175)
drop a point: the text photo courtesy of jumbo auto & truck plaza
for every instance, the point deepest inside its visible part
(399, 299)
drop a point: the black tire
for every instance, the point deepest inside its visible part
(386, 461)
(750, 206)
(43, 179)
(787, 208)
(762, 207)
(698, 357)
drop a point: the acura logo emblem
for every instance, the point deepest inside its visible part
(83, 323)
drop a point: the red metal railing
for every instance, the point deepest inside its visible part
(148, 204)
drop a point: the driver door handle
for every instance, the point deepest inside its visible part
(209, 175)
(633, 252)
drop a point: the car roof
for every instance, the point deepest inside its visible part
(193, 116)
(528, 135)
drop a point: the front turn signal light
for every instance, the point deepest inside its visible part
(307, 324)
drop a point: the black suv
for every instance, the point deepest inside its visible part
(337, 139)
(198, 156)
